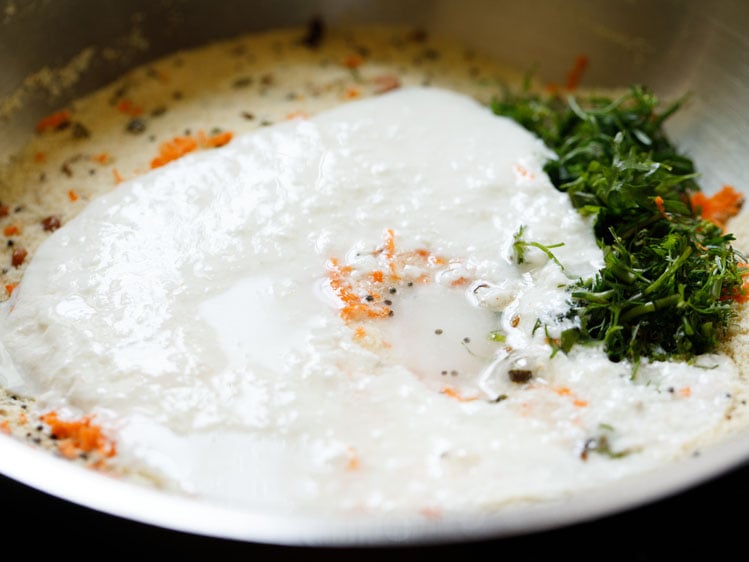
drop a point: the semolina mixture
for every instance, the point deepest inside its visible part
(386, 402)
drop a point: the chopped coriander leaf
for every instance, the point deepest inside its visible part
(497, 336)
(670, 277)
(519, 246)
(600, 444)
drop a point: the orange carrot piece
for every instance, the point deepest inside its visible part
(566, 391)
(353, 459)
(79, 436)
(127, 107)
(173, 149)
(351, 93)
(575, 75)
(72, 195)
(522, 171)
(10, 287)
(353, 61)
(219, 139)
(11, 230)
(68, 449)
(390, 252)
(360, 296)
(660, 205)
(720, 207)
(361, 311)
(453, 393)
(53, 121)
(102, 158)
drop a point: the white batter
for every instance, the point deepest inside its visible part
(228, 318)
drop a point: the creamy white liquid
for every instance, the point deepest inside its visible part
(192, 311)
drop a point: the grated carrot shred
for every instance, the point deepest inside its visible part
(576, 401)
(11, 230)
(102, 158)
(220, 139)
(660, 205)
(127, 107)
(72, 195)
(173, 149)
(523, 172)
(575, 75)
(360, 296)
(214, 141)
(78, 436)
(390, 251)
(353, 61)
(10, 287)
(353, 459)
(361, 311)
(68, 449)
(351, 93)
(719, 207)
(53, 121)
(453, 393)
(179, 146)
(5, 427)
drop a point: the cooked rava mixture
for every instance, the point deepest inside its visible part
(316, 273)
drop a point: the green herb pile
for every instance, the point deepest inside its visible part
(665, 290)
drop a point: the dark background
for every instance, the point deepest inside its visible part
(707, 522)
